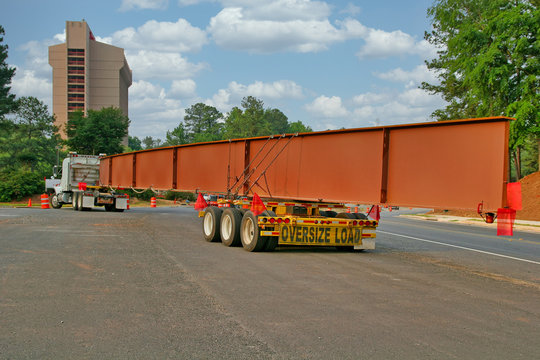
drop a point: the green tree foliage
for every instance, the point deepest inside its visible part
(101, 131)
(134, 143)
(298, 127)
(201, 123)
(488, 63)
(151, 143)
(176, 136)
(7, 100)
(28, 149)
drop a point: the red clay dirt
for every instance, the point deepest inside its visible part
(530, 195)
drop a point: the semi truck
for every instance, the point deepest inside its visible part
(291, 189)
(79, 185)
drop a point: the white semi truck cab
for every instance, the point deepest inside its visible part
(79, 186)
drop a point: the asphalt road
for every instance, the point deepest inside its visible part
(144, 285)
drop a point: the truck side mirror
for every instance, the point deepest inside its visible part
(55, 170)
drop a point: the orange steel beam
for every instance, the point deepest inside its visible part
(451, 164)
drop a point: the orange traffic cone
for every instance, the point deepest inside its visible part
(30, 202)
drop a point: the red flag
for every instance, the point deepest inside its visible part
(200, 204)
(505, 221)
(375, 213)
(513, 195)
(257, 206)
(82, 186)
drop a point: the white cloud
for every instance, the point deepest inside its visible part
(281, 10)
(411, 78)
(232, 28)
(282, 89)
(327, 107)
(351, 9)
(179, 36)
(152, 111)
(382, 44)
(26, 83)
(156, 65)
(144, 4)
(183, 88)
(371, 98)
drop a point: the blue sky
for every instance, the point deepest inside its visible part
(330, 64)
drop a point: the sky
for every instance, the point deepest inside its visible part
(330, 64)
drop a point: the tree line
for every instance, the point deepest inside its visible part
(204, 123)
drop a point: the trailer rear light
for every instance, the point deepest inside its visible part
(355, 222)
(272, 220)
(279, 221)
(264, 220)
(287, 221)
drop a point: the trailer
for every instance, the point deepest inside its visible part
(291, 189)
(79, 186)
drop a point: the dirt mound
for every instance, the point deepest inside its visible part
(530, 195)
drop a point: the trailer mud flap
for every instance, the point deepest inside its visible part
(121, 203)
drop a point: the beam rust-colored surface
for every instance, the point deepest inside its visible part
(452, 165)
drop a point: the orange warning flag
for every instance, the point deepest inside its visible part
(200, 204)
(375, 213)
(513, 195)
(257, 206)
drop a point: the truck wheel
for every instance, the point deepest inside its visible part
(75, 201)
(250, 234)
(80, 202)
(53, 199)
(109, 207)
(230, 227)
(211, 222)
(271, 241)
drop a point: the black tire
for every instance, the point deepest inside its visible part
(80, 202)
(231, 219)
(271, 241)
(345, 216)
(109, 207)
(75, 201)
(53, 200)
(250, 234)
(360, 216)
(329, 213)
(211, 222)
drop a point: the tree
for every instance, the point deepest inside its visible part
(134, 143)
(28, 148)
(248, 122)
(202, 123)
(101, 131)
(177, 136)
(488, 63)
(150, 143)
(31, 139)
(277, 121)
(7, 100)
(298, 127)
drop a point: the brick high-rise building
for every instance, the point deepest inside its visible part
(87, 74)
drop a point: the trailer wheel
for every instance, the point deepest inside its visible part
(250, 234)
(211, 222)
(55, 204)
(345, 216)
(109, 207)
(231, 219)
(271, 241)
(328, 213)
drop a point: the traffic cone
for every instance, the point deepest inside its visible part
(153, 202)
(30, 202)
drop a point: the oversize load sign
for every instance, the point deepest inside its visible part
(328, 236)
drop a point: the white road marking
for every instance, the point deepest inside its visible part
(461, 247)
